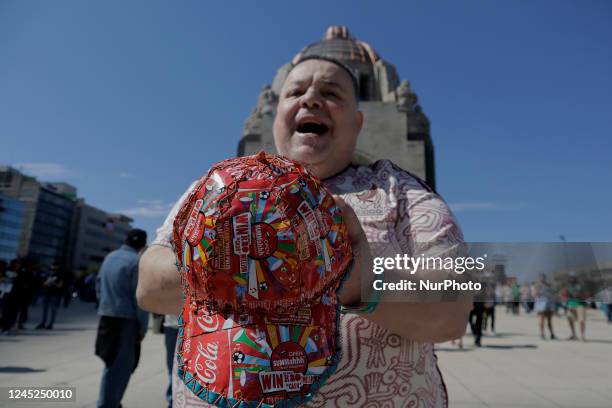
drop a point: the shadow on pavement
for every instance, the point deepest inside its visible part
(598, 341)
(69, 329)
(19, 370)
(55, 331)
(501, 335)
(9, 340)
(38, 333)
(452, 349)
(510, 346)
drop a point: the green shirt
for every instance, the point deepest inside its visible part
(574, 293)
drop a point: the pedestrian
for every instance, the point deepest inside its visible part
(526, 298)
(68, 289)
(545, 301)
(170, 334)
(122, 324)
(562, 301)
(25, 288)
(8, 296)
(576, 306)
(458, 342)
(608, 309)
(507, 297)
(52, 289)
(317, 123)
(475, 319)
(489, 307)
(516, 297)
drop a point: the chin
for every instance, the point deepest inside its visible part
(308, 154)
(309, 157)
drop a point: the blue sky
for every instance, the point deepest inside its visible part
(130, 101)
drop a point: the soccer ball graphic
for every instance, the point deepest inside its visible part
(238, 357)
(263, 286)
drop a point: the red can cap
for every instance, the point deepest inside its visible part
(262, 250)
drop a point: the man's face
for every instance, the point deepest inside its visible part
(317, 119)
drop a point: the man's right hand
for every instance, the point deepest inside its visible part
(159, 283)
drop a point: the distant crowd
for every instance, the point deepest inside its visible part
(570, 298)
(24, 282)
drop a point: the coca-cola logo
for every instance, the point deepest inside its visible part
(206, 361)
(197, 231)
(208, 323)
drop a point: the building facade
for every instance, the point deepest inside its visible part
(49, 240)
(26, 189)
(11, 219)
(95, 233)
(47, 221)
(395, 126)
(48, 214)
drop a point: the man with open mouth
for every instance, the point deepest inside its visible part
(387, 355)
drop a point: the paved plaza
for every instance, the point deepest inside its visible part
(513, 369)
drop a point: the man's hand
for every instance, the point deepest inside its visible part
(427, 322)
(350, 295)
(159, 283)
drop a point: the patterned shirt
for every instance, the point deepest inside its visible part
(377, 368)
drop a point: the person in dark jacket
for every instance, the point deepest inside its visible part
(122, 323)
(25, 284)
(8, 296)
(52, 289)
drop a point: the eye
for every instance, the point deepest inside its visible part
(332, 94)
(294, 92)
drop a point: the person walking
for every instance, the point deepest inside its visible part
(576, 306)
(526, 298)
(507, 297)
(475, 319)
(52, 290)
(8, 296)
(516, 297)
(122, 324)
(25, 285)
(545, 303)
(609, 312)
(170, 335)
(489, 307)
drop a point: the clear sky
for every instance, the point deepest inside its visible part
(131, 100)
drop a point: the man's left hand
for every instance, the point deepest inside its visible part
(350, 295)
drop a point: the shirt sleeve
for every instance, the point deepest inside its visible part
(427, 228)
(163, 235)
(426, 225)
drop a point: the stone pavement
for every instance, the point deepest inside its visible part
(513, 369)
(516, 368)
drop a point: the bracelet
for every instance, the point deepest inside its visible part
(366, 308)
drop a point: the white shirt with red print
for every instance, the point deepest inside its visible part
(377, 368)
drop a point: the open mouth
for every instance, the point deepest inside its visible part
(312, 127)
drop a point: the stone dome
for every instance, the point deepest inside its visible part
(338, 43)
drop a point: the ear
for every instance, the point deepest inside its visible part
(359, 120)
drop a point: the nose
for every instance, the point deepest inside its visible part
(311, 99)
